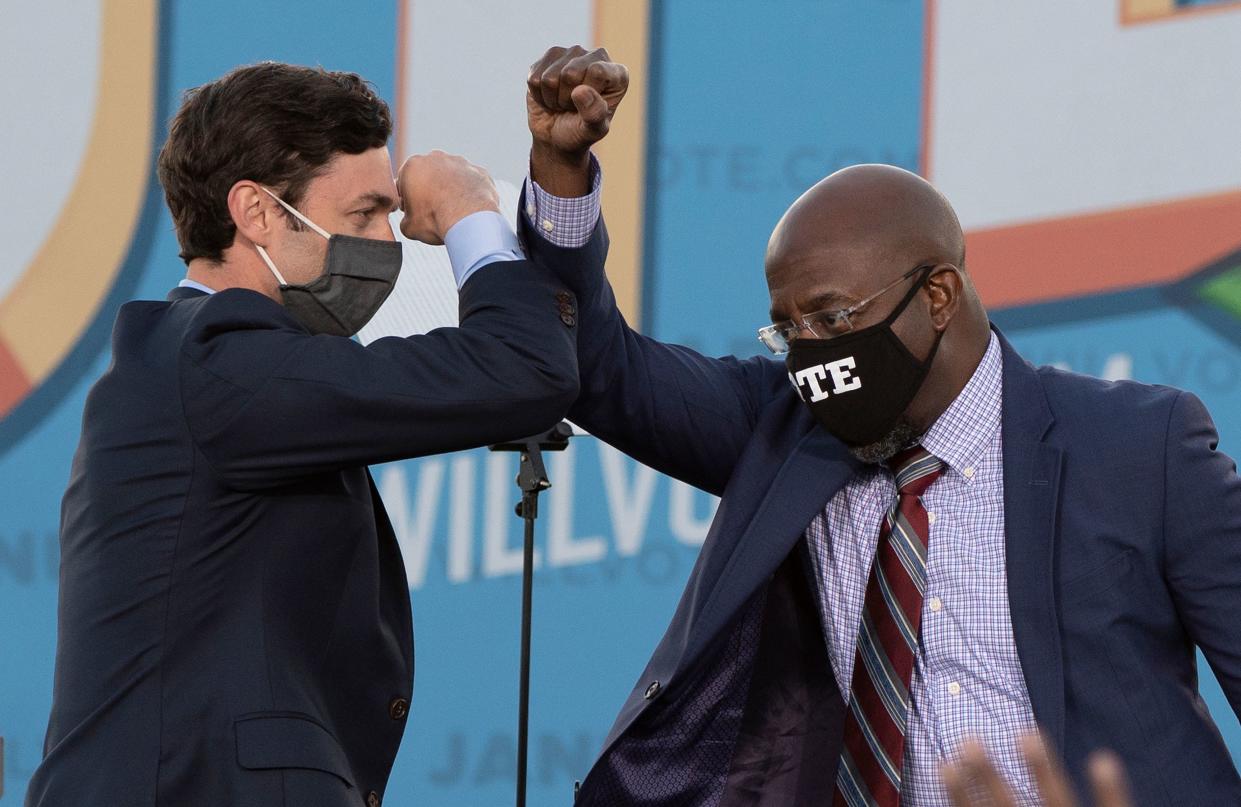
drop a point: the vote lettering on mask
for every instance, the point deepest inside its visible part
(858, 384)
(807, 380)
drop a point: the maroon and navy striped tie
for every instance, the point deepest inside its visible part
(874, 741)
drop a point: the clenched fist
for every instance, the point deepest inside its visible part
(571, 96)
(438, 190)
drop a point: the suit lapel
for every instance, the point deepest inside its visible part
(817, 467)
(1031, 498)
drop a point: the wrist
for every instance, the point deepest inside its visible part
(450, 218)
(560, 173)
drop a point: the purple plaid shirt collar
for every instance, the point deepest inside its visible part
(967, 427)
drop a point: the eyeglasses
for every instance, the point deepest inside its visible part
(827, 323)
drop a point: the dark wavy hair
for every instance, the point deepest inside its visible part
(273, 123)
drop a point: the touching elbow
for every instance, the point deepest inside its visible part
(557, 391)
(563, 389)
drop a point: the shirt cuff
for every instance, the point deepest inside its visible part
(477, 240)
(565, 222)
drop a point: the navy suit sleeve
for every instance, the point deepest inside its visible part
(268, 403)
(1202, 528)
(667, 406)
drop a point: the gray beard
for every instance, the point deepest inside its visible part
(900, 437)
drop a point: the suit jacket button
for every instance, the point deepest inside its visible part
(652, 690)
(372, 799)
(564, 297)
(398, 708)
(568, 319)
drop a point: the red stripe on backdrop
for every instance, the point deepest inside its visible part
(14, 384)
(1101, 252)
(928, 68)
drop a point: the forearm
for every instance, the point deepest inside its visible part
(666, 405)
(267, 403)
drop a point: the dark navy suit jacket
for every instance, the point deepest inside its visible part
(234, 622)
(1123, 536)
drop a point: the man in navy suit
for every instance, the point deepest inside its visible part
(234, 624)
(922, 538)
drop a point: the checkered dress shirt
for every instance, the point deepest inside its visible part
(565, 222)
(967, 679)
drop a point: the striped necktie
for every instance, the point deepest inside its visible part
(869, 774)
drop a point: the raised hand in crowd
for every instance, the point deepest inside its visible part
(973, 781)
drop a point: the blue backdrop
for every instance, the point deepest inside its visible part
(750, 103)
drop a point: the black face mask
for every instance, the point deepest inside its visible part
(859, 383)
(358, 275)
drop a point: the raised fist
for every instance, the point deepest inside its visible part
(571, 96)
(438, 190)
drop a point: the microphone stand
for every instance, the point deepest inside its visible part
(532, 480)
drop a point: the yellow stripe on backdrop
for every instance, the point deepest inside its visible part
(57, 296)
(623, 27)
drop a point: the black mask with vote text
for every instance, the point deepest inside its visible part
(858, 384)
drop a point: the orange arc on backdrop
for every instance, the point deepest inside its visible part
(1102, 252)
(58, 295)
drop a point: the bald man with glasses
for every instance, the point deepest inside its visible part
(922, 538)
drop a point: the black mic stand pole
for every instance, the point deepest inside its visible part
(532, 480)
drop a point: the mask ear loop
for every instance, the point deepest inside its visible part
(298, 214)
(926, 363)
(267, 260)
(909, 295)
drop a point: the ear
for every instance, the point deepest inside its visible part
(253, 212)
(945, 287)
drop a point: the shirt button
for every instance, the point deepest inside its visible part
(954, 688)
(652, 690)
(548, 226)
(530, 211)
(930, 518)
(969, 473)
(372, 799)
(936, 604)
(398, 708)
